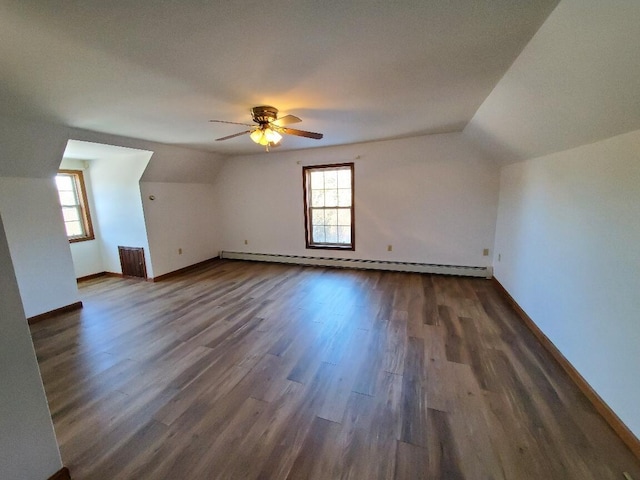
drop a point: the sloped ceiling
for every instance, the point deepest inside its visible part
(79, 150)
(354, 70)
(576, 82)
(168, 164)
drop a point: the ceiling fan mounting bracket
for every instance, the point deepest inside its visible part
(264, 114)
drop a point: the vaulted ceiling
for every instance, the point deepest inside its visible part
(575, 83)
(354, 70)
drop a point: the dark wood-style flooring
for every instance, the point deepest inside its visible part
(241, 370)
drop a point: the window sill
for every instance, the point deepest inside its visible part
(331, 247)
(81, 239)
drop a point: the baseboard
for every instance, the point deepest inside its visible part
(54, 313)
(109, 274)
(164, 276)
(92, 276)
(62, 474)
(394, 266)
(100, 274)
(618, 426)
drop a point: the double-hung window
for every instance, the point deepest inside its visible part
(75, 208)
(328, 206)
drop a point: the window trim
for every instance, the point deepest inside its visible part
(78, 178)
(306, 175)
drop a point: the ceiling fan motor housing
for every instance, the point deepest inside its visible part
(264, 114)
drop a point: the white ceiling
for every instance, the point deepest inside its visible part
(353, 70)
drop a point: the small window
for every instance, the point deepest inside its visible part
(75, 208)
(328, 206)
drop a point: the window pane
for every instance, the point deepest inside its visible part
(331, 198)
(67, 198)
(317, 216)
(344, 217)
(317, 198)
(70, 214)
(331, 216)
(344, 178)
(317, 180)
(330, 179)
(64, 182)
(318, 234)
(344, 197)
(74, 229)
(331, 234)
(75, 214)
(344, 234)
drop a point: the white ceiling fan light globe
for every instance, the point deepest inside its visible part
(257, 136)
(272, 136)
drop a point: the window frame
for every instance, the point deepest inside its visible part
(77, 177)
(308, 227)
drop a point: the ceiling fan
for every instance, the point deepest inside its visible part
(269, 127)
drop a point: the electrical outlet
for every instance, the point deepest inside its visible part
(389, 248)
(485, 252)
(179, 251)
(246, 242)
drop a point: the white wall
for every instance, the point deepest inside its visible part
(181, 216)
(433, 198)
(87, 255)
(38, 243)
(118, 206)
(28, 447)
(568, 234)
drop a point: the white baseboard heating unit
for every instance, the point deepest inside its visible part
(483, 272)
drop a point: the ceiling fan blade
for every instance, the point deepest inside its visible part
(286, 120)
(234, 135)
(301, 133)
(232, 123)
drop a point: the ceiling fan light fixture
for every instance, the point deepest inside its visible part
(269, 127)
(265, 136)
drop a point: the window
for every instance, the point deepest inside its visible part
(328, 206)
(75, 208)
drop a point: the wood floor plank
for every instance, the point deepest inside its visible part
(314, 460)
(414, 395)
(466, 422)
(371, 426)
(343, 380)
(411, 462)
(443, 458)
(259, 444)
(253, 370)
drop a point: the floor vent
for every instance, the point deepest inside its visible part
(485, 272)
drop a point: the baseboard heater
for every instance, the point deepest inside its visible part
(484, 272)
